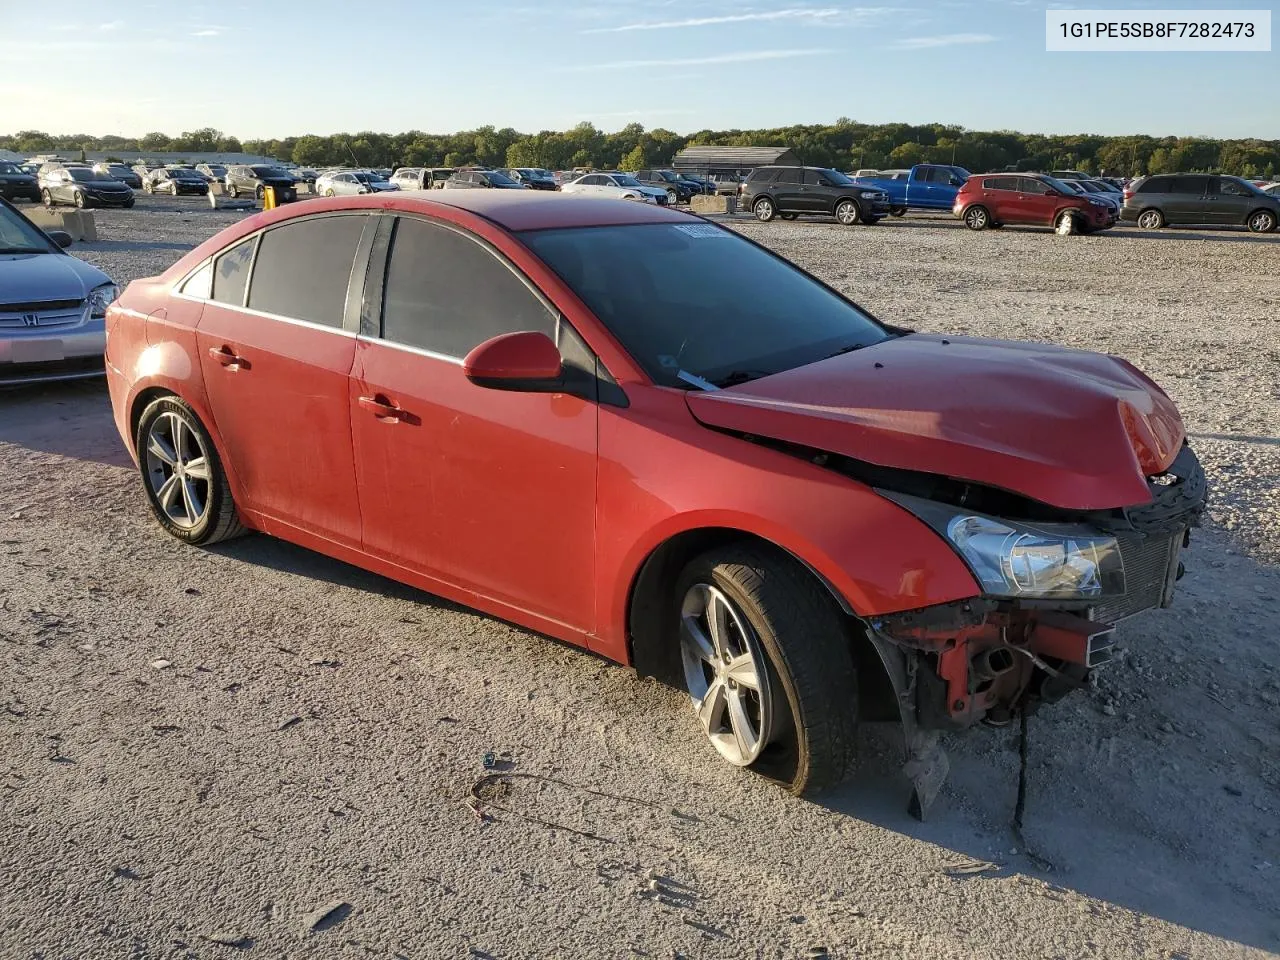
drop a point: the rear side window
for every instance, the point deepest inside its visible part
(790, 175)
(303, 269)
(446, 293)
(1154, 185)
(1000, 183)
(763, 175)
(1192, 185)
(231, 273)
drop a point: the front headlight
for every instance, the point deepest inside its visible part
(100, 298)
(1011, 558)
(870, 194)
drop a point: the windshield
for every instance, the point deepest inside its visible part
(1059, 185)
(500, 179)
(698, 299)
(836, 177)
(18, 236)
(9, 167)
(623, 180)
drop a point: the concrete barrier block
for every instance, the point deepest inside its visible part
(707, 203)
(78, 223)
(216, 188)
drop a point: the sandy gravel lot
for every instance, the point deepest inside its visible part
(203, 751)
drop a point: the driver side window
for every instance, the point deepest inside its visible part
(423, 306)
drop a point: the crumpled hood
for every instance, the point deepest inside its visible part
(25, 278)
(1076, 430)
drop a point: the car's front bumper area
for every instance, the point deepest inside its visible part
(55, 353)
(873, 208)
(987, 658)
(113, 199)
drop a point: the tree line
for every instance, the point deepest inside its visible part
(844, 145)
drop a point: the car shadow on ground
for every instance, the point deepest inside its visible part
(1237, 438)
(84, 407)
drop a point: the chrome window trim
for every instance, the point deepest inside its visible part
(456, 361)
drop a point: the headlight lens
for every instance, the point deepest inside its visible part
(1014, 559)
(100, 298)
(869, 194)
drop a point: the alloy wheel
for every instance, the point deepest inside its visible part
(847, 212)
(178, 470)
(1150, 220)
(976, 218)
(1262, 222)
(763, 209)
(725, 674)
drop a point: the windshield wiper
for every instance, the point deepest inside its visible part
(735, 377)
(848, 348)
(22, 250)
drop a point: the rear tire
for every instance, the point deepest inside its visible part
(977, 217)
(183, 478)
(81, 202)
(46, 197)
(1151, 219)
(764, 210)
(1262, 221)
(806, 698)
(232, 192)
(898, 211)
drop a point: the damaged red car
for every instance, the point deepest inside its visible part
(639, 432)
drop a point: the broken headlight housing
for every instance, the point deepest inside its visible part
(1014, 559)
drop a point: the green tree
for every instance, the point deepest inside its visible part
(634, 160)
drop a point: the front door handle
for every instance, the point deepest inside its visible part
(225, 356)
(382, 408)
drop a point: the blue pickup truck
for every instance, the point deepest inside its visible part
(926, 186)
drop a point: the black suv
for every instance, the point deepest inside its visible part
(791, 191)
(678, 191)
(535, 178)
(1197, 198)
(254, 180)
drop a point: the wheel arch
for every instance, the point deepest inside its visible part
(653, 651)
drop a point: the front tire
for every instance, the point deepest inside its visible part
(1067, 224)
(81, 203)
(767, 662)
(847, 213)
(1151, 219)
(46, 197)
(1262, 221)
(788, 216)
(764, 210)
(977, 217)
(183, 478)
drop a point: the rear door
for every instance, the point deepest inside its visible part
(788, 190)
(276, 347)
(1000, 197)
(1187, 201)
(491, 490)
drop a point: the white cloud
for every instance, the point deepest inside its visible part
(113, 25)
(745, 56)
(208, 32)
(795, 13)
(943, 40)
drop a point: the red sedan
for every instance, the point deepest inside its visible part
(639, 432)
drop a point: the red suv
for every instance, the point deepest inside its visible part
(1031, 199)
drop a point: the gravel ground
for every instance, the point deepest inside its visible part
(255, 750)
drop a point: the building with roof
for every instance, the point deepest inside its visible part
(732, 161)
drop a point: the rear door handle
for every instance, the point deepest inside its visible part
(382, 408)
(227, 358)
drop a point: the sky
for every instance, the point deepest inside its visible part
(272, 69)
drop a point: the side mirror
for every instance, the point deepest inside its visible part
(60, 237)
(526, 361)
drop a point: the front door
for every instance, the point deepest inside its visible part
(1228, 201)
(276, 360)
(493, 491)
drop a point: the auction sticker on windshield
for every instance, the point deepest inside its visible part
(702, 230)
(1128, 31)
